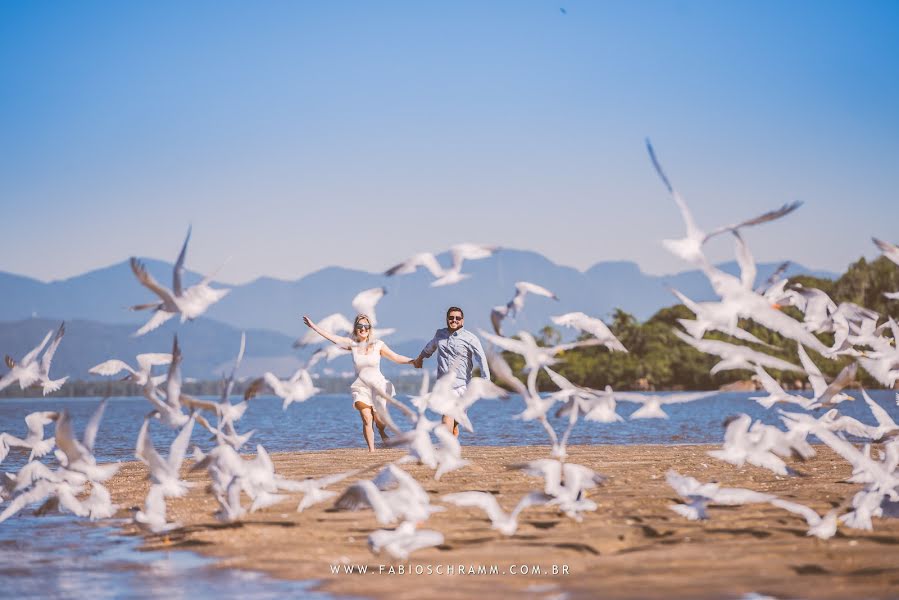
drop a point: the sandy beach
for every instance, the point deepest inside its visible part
(633, 546)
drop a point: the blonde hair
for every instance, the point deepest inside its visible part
(371, 331)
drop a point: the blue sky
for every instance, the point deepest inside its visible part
(297, 135)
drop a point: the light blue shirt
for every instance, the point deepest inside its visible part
(457, 351)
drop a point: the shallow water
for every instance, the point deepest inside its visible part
(329, 421)
(63, 557)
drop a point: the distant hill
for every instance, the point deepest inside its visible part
(411, 306)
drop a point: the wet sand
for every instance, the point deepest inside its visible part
(633, 546)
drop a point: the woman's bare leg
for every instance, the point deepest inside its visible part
(380, 425)
(365, 412)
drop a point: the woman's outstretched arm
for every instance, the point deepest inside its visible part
(386, 352)
(343, 342)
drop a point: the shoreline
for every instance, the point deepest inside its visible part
(633, 546)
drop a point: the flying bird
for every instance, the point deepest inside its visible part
(190, 303)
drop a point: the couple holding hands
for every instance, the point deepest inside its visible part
(457, 351)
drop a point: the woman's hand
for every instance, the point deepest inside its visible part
(307, 320)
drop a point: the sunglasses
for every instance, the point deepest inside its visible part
(363, 327)
(454, 318)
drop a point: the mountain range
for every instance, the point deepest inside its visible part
(99, 325)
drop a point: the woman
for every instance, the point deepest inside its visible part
(367, 354)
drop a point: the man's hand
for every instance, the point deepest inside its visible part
(417, 362)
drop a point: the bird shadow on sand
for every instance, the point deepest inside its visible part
(543, 524)
(577, 547)
(748, 531)
(653, 533)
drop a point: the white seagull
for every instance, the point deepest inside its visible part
(514, 306)
(736, 357)
(591, 325)
(165, 472)
(500, 520)
(393, 494)
(652, 403)
(824, 394)
(459, 252)
(29, 371)
(689, 247)
(535, 356)
(140, 376)
(152, 516)
(699, 495)
(78, 455)
(404, 540)
(190, 303)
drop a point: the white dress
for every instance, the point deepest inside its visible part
(368, 365)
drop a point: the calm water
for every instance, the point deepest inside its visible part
(62, 557)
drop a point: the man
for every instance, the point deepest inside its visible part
(457, 351)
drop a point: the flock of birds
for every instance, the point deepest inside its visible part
(76, 484)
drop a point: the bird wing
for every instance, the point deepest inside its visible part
(497, 314)
(147, 280)
(891, 251)
(336, 323)
(692, 229)
(526, 287)
(146, 452)
(819, 385)
(508, 344)
(65, 438)
(774, 277)
(173, 383)
(463, 252)
(229, 382)
(276, 385)
(47, 358)
(364, 494)
(883, 418)
(693, 306)
(845, 377)
(150, 360)
(111, 367)
(766, 217)
(33, 354)
(748, 269)
(571, 346)
(364, 303)
(503, 373)
(768, 383)
(179, 445)
(550, 470)
(422, 259)
(481, 500)
(300, 373)
(159, 317)
(561, 382)
(90, 430)
(811, 516)
(178, 270)
(683, 485)
(572, 319)
(36, 421)
(682, 397)
(480, 388)
(425, 382)
(255, 388)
